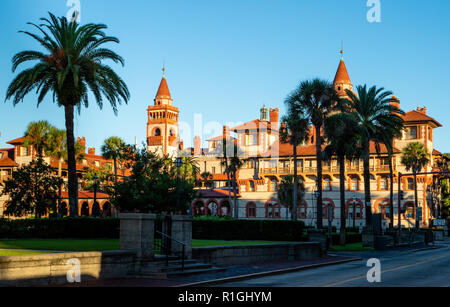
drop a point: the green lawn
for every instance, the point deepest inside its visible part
(5, 253)
(99, 245)
(354, 247)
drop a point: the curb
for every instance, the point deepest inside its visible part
(264, 274)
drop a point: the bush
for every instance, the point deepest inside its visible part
(350, 238)
(265, 230)
(73, 228)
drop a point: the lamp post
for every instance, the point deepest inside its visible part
(95, 188)
(178, 164)
(354, 211)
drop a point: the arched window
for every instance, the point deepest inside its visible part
(251, 210)
(252, 186)
(385, 210)
(225, 208)
(213, 209)
(171, 132)
(409, 212)
(325, 206)
(272, 210)
(158, 132)
(302, 210)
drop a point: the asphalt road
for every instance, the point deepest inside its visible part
(406, 268)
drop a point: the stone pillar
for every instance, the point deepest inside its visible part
(137, 232)
(182, 231)
(318, 235)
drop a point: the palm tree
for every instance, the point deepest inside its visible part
(112, 149)
(316, 98)
(70, 66)
(372, 113)
(296, 132)
(286, 193)
(386, 136)
(38, 136)
(58, 138)
(207, 179)
(342, 137)
(415, 157)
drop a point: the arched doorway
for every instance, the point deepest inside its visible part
(96, 210)
(85, 209)
(63, 209)
(107, 209)
(225, 208)
(199, 208)
(213, 208)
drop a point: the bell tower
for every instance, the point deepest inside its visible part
(342, 80)
(162, 128)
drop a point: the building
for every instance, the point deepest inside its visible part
(269, 159)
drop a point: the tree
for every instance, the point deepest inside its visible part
(38, 136)
(316, 98)
(414, 158)
(113, 149)
(207, 179)
(342, 139)
(286, 190)
(372, 113)
(32, 189)
(296, 132)
(103, 177)
(70, 67)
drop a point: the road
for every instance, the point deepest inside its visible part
(420, 268)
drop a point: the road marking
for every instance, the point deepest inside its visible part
(342, 281)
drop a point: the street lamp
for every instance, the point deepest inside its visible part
(178, 163)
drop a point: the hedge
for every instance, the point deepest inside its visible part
(73, 228)
(349, 238)
(265, 230)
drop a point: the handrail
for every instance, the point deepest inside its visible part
(167, 250)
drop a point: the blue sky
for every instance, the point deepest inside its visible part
(225, 59)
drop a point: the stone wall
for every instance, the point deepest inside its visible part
(250, 254)
(50, 269)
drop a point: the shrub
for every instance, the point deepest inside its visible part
(229, 229)
(73, 228)
(349, 238)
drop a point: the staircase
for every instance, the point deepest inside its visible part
(160, 269)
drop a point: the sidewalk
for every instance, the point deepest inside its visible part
(231, 272)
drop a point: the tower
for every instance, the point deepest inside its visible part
(342, 80)
(162, 127)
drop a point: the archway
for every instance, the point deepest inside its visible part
(225, 208)
(84, 209)
(107, 209)
(198, 208)
(96, 210)
(63, 209)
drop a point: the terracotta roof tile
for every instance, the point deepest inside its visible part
(416, 116)
(163, 91)
(342, 74)
(254, 125)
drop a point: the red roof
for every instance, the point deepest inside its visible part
(436, 152)
(342, 74)
(163, 91)
(416, 116)
(17, 141)
(85, 194)
(7, 162)
(254, 125)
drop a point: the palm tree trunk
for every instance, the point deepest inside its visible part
(391, 192)
(319, 177)
(415, 201)
(342, 237)
(236, 207)
(71, 162)
(115, 170)
(294, 196)
(367, 183)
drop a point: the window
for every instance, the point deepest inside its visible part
(410, 184)
(251, 139)
(158, 132)
(409, 212)
(212, 208)
(24, 151)
(251, 210)
(355, 184)
(97, 164)
(325, 207)
(327, 184)
(252, 186)
(273, 210)
(384, 161)
(302, 211)
(213, 170)
(384, 210)
(1, 155)
(273, 185)
(354, 162)
(411, 133)
(384, 184)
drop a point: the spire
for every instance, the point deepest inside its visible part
(342, 76)
(163, 91)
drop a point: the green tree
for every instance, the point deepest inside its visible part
(113, 149)
(38, 136)
(286, 190)
(32, 189)
(415, 157)
(373, 113)
(207, 179)
(342, 139)
(295, 132)
(71, 65)
(103, 176)
(316, 98)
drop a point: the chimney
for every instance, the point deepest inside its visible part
(82, 142)
(422, 110)
(226, 132)
(274, 116)
(181, 145)
(395, 102)
(197, 146)
(91, 151)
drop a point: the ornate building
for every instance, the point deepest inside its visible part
(269, 159)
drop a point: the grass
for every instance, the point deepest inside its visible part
(6, 253)
(98, 245)
(353, 247)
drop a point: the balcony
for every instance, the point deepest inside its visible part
(325, 169)
(155, 141)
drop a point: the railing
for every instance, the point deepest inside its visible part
(325, 169)
(166, 247)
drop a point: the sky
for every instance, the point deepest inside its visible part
(226, 59)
